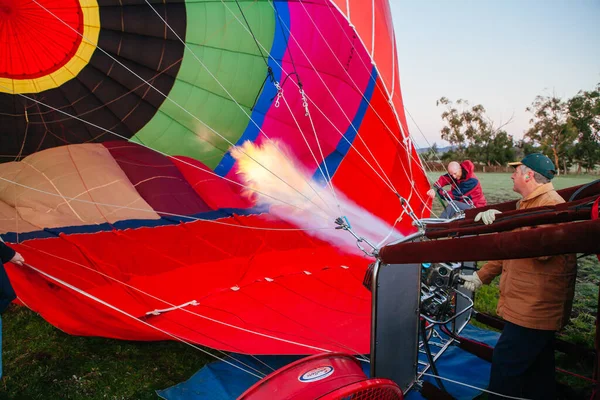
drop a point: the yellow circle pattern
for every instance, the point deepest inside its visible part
(87, 46)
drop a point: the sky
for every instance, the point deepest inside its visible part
(500, 54)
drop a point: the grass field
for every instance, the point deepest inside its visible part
(41, 362)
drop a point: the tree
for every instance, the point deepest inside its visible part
(584, 112)
(552, 128)
(431, 154)
(473, 133)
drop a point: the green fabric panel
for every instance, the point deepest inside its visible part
(225, 47)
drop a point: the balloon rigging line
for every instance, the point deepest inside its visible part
(192, 218)
(437, 156)
(239, 106)
(112, 307)
(385, 93)
(368, 102)
(303, 95)
(328, 178)
(326, 175)
(335, 100)
(358, 90)
(253, 37)
(216, 321)
(369, 105)
(177, 104)
(409, 153)
(175, 158)
(327, 118)
(417, 160)
(83, 182)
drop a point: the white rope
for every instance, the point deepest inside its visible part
(408, 151)
(386, 93)
(367, 68)
(192, 218)
(389, 181)
(280, 94)
(178, 160)
(328, 177)
(172, 101)
(417, 160)
(216, 321)
(96, 299)
(321, 111)
(474, 387)
(157, 311)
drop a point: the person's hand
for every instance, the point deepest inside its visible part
(431, 193)
(17, 259)
(472, 282)
(487, 216)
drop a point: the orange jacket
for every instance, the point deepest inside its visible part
(538, 292)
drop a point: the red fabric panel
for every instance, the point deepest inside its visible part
(202, 261)
(31, 49)
(157, 179)
(386, 52)
(214, 190)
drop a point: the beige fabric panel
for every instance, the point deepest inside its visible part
(39, 191)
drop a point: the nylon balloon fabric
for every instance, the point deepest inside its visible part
(174, 169)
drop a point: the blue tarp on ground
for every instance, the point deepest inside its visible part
(222, 381)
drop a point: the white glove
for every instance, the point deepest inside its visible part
(487, 216)
(431, 193)
(472, 282)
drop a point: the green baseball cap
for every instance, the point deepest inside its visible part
(538, 163)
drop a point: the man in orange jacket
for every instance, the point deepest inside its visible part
(536, 295)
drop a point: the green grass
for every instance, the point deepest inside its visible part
(41, 362)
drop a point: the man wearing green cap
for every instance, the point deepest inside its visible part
(536, 295)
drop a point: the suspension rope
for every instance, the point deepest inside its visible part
(171, 100)
(114, 308)
(202, 316)
(176, 159)
(409, 152)
(190, 217)
(237, 103)
(333, 125)
(253, 36)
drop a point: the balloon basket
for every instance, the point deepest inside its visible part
(327, 376)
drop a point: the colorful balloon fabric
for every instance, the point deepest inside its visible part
(173, 170)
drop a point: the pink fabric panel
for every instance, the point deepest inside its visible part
(344, 70)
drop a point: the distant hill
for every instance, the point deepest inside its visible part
(440, 150)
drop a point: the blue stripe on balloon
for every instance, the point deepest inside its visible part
(12, 237)
(333, 160)
(282, 27)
